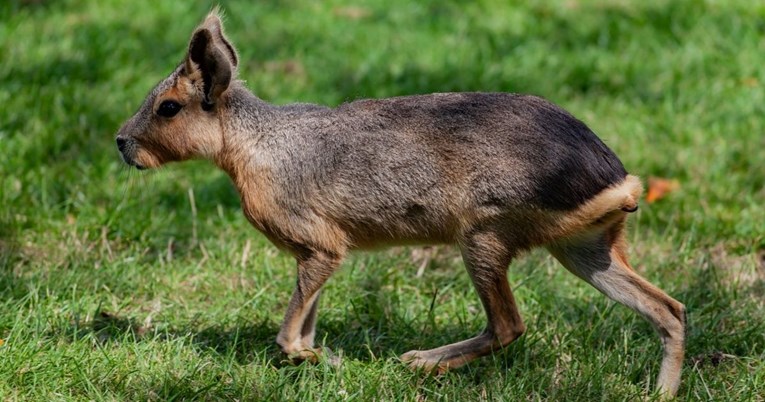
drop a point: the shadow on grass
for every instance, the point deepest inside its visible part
(371, 328)
(245, 343)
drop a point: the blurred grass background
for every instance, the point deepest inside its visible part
(113, 287)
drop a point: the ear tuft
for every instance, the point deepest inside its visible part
(216, 12)
(213, 22)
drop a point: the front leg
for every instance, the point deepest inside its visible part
(308, 331)
(296, 334)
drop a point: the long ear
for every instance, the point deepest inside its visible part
(214, 24)
(214, 57)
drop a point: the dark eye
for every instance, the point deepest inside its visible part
(169, 108)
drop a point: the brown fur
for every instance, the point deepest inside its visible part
(495, 174)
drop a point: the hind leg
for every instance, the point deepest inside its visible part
(600, 259)
(486, 258)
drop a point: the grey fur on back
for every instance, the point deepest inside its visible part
(373, 162)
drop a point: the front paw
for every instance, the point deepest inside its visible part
(419, 360)
(310, 355)
(314, 355)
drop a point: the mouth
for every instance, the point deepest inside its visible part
(131, 162)
(124, 147)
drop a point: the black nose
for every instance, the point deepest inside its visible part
(121, 144)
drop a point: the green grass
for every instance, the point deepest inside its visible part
(112, 287)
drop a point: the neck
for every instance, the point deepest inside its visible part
(244, 121)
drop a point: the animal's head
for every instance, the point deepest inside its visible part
(179, 119)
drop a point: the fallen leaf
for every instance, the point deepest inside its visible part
(659, 187)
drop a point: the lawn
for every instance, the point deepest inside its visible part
(124, 285)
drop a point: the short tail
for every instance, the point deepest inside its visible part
(611, 202)
(608, 206)
(632, 189)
